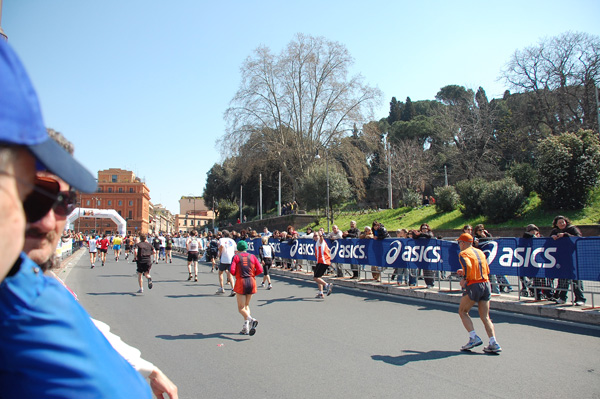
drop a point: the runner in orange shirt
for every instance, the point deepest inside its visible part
(475, 272)
(323, 261)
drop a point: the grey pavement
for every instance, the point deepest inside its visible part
(356, 343)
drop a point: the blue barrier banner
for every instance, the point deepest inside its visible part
(569, 258)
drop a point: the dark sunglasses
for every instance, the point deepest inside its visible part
(46, 195)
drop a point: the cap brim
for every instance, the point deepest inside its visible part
(62, 164)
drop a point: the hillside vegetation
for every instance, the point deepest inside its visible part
(412, 218)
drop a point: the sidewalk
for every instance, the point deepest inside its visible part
(505, 302)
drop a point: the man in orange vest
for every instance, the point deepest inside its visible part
(323, 261)
(475, 272)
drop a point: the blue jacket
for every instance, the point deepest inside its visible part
(49, 347)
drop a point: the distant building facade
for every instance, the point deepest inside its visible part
(161, 219)
(122, 191)
(193, 214)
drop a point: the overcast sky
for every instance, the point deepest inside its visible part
(143, 84)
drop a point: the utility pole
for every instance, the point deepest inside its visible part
(260, 195)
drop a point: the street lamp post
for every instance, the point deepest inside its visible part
(95, 199)
(327, 176)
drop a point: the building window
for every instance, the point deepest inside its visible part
(119, 212)
(99, 189)
(110, 189)
(87, 202)
(130, 189)
(120, 189)
(130, 203)
(98, 203)
(114, 178)
(109, 202)
(120, 202)
(185, 222)
(130, 215)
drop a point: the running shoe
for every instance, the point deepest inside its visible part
(150, 284)
(262, 285)
(244, 330)
(253, 325)
(195, 278)
(220, 291)
(560, 301)
(269, 287)
(492, 348)
(329, 288)
(320, 296)
(473, 342)
(579, 303)
(141, 290)
(92, 266)
(232, 293)
(190, 277)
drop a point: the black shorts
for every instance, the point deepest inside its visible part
(193, 256)
(267, 265)
(320, 269)
(169, 248)
(103, 250)
(479, 291)
(224, 267)
(144, 267)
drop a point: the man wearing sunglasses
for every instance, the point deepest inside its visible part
(41, 239)
(48, 344)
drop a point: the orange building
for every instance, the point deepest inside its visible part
(122, 191)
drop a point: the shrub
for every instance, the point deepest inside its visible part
(470, 192)
(446, 199)
(411, 198)
(525, 175)
(502, 199)
(568, 168)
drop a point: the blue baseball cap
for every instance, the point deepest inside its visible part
(21, 124)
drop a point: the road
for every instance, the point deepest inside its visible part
(352, 344)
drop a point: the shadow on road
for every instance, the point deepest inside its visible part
(228, 336)
(274, 300)
(416, 356)
(112, 293)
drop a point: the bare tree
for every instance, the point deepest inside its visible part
(562, 72)
(291, 104)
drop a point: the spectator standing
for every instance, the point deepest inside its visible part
(353, 232)
(426, 233)
(367, 234)
(402, 273)
(379, 233)
(336, 234)
(562, 227)
(499, 282)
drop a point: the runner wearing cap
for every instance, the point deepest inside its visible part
(245, 267)
(475, 272)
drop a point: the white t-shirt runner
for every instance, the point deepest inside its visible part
(228, 252)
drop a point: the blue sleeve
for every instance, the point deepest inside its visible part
(50, 348)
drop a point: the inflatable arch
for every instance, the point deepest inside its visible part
(98, 213)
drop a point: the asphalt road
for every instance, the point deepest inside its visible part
(353, 344)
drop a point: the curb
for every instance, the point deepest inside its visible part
(499, 302)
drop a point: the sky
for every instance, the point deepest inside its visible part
(143, 85)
